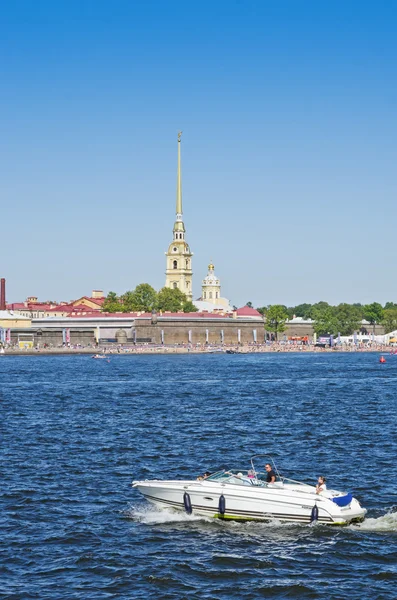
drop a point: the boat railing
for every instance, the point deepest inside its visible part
(238, 476)
(257, 478)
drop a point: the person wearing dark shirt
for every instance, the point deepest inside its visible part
(271, 476)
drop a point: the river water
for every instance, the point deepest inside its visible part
(75, 432)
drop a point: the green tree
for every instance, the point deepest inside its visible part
(317, 308)
(373, 313)
(126, 301)
(188, 307)
(302, 310)
(348, 318)
(249, 304)
(390, 305)
(171, 300)
(112, 303)
(325, 321)
(276, 317)
(143, 298)
(389, 319)
(262, 310)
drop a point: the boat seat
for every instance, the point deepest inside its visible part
(343, 500)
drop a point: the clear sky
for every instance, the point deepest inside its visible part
(288, 112)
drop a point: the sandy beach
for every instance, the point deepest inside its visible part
(186, 349)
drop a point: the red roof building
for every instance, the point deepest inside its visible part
(247, 311)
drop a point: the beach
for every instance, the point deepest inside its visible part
(194, 349)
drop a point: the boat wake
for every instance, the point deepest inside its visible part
(152, 516)
(387, 522)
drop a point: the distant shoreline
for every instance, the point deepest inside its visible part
(148, 350)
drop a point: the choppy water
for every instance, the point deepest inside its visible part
(74, 433)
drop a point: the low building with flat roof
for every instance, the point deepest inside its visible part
(166, 328)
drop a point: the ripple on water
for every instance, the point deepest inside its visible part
(74, 433)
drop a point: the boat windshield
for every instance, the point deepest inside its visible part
(237, 476)
(254, 477)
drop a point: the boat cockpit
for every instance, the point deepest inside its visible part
(252, 477)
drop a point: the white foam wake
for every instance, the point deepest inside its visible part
(153, 516)
(387, 522)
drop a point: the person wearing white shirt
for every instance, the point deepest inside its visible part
(321, 485)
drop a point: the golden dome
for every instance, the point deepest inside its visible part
(211, 266)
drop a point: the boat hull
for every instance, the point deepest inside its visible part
(278, 502)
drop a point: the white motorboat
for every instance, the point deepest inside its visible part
(245, 495)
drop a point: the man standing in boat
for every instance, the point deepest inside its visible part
(271, 476)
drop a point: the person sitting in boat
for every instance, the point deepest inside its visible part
(201, 477)
(321, 485)
(239, 478)
(271, 476)
(243, 478)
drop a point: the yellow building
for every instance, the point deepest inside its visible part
(9, 320)
(179, 257)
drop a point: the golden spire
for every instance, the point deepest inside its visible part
(179, 181)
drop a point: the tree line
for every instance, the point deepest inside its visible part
(343, 318)
(144, 298)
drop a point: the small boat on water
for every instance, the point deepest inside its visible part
(245, 495)
(100, 356)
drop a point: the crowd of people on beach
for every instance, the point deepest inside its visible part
(148, 348)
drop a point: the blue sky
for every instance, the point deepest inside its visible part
(288, 112)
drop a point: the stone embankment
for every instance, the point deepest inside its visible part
(186, 349)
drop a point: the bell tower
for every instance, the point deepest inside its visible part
(179, 257)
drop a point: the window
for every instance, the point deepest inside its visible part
(175, 249)
(175, 285)
(175, 264)
(205, 295)
(187, 264)
(210, 295)
(217, 295)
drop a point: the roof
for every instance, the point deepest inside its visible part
(29, 306)
(247, 311)
(62, 308)
(5, 314)
(300, 320)
(97, 301)
(204, 305)
(39, 306)
(96, 317)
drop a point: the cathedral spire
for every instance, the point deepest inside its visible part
(179, 183)
(179, 256)
(179, 225)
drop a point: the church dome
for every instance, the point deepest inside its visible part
(211, 280)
